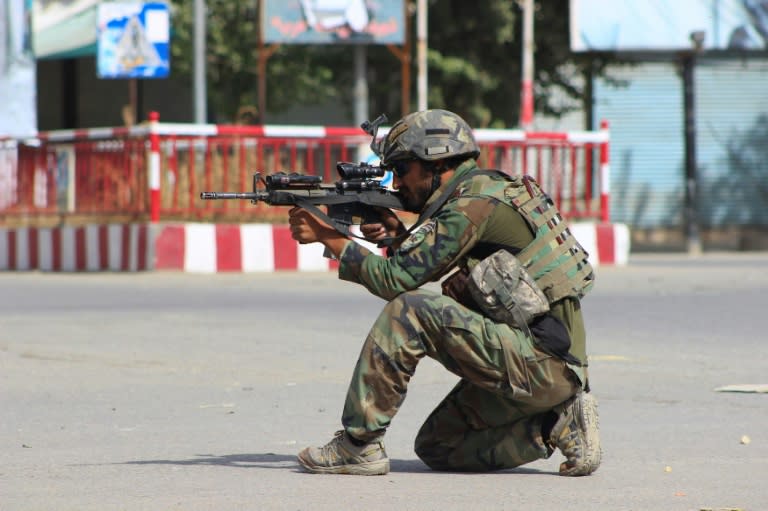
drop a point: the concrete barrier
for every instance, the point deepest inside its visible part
(116, 247)
(212, 248)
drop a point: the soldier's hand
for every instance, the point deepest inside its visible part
(389, 226)
(307, 228)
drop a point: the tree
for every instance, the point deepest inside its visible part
(476, 64)
(474, 61)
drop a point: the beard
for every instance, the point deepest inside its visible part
(414, 200)
(415, 192)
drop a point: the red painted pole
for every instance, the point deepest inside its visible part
(526, 92)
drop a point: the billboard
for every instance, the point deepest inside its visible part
(644, 25)
(18, 110)
(333, 21)
(133, 40)
(64, 28)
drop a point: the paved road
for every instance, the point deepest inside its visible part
(194, 392)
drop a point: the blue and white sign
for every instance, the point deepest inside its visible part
(133, 40)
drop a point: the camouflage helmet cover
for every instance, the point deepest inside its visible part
(428, 135)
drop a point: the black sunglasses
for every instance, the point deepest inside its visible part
(399, 168)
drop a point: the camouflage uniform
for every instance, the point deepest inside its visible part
(493, 418)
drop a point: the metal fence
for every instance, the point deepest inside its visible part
(156, 171)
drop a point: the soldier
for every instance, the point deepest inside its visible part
(523, 391)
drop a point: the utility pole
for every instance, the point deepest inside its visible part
(360, 94)
(693, 240)
(199, 85)
(421, 54)
(526, 93)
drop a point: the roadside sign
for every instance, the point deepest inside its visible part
(333, 22)
(133, 40)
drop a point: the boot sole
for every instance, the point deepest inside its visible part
(587, 416)
(371, 468)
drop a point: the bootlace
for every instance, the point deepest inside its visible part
(330, 451)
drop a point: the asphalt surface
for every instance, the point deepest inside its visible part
(169, 391)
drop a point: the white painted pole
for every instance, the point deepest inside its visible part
(421, 54)
(199, 85)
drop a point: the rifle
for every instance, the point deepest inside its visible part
(352, 200)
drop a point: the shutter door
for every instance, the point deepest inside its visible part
(647, 150)
(647, 142)
(732, 141)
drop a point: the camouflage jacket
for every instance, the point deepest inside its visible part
(429, 253)
(445, 242)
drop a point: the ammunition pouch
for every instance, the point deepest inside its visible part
(502, 288)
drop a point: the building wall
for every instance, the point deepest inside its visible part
(647, 142)
(98, 102)
(732, 128)
(645, 116)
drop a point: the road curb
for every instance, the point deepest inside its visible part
(212, 248)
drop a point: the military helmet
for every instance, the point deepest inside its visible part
(428, 135)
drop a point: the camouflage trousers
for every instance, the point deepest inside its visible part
(492, 419)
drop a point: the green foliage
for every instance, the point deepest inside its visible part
(294, 75)
(474, 61)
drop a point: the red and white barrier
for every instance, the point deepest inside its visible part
(89, 248)
(606, 244)
(209, 130)
(212, 248)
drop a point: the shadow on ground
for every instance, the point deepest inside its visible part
(285, 462)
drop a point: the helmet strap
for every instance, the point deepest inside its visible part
(436, 181)
(437, 168)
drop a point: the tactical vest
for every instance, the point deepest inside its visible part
(556, 261)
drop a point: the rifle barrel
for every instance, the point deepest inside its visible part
(228, 195)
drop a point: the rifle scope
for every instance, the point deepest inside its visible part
(349, 171)
(281, 180)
